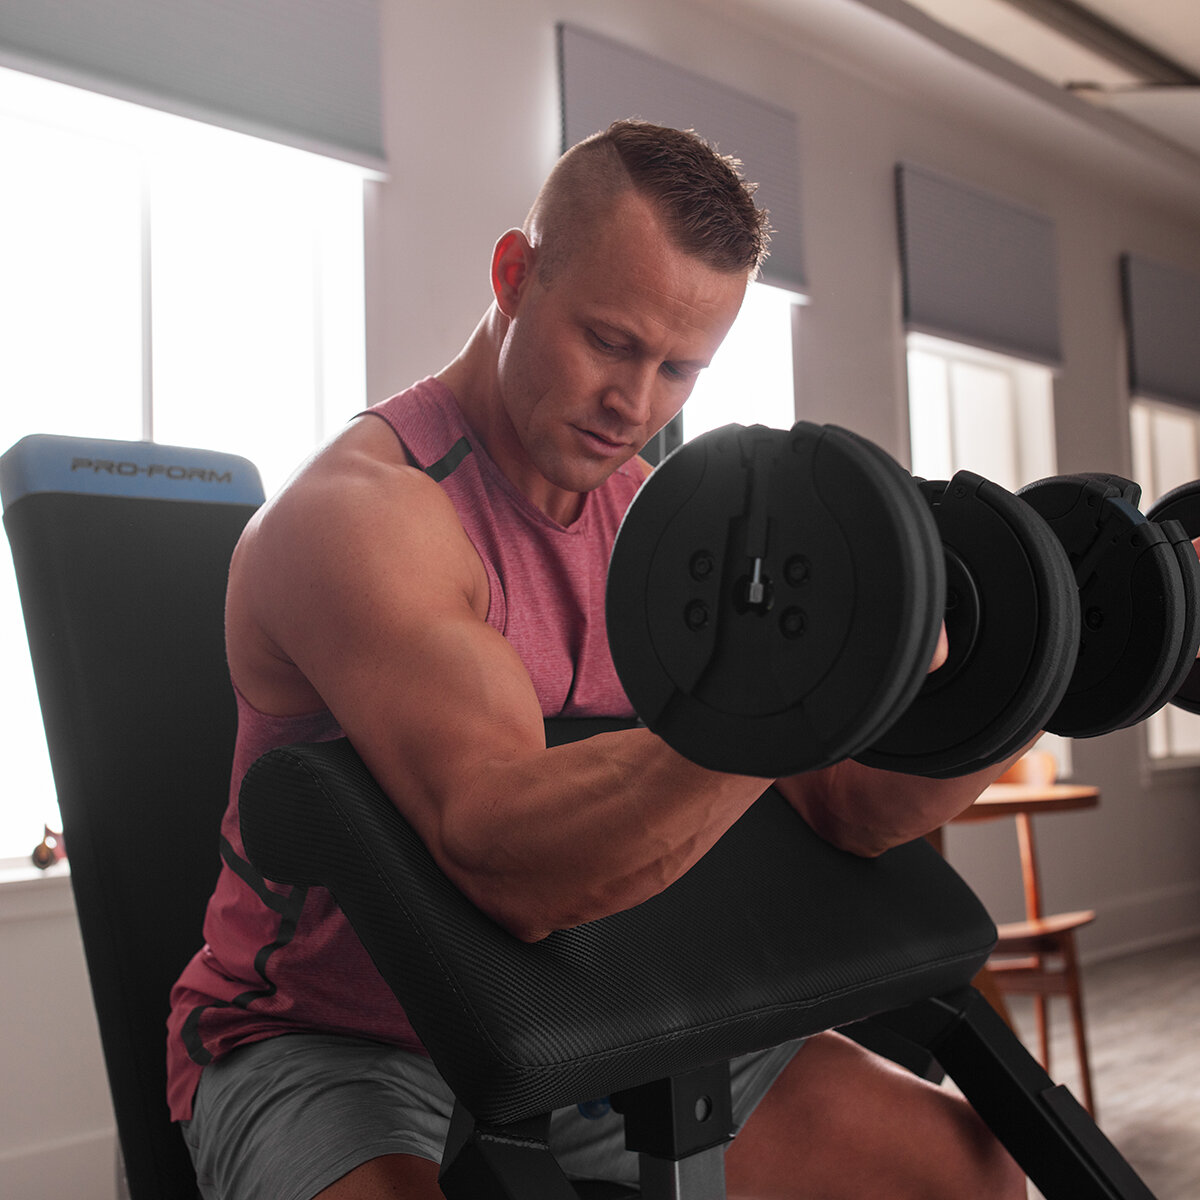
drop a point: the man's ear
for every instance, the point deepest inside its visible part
(512, 269)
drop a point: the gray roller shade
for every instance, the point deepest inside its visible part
(301, 72)
(977, 268)
(603, 81)
(1162, 315)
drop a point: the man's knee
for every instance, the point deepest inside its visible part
(991, 1172)
(849, 1124)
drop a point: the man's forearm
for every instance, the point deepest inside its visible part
(867, 811)
(554, 838)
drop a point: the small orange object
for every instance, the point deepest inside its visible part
(51, 849)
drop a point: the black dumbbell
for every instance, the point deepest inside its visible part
(1139, 598)
(774, 597)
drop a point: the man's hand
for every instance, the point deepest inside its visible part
(1196, 547)
(942, 649)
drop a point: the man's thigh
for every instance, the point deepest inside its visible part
(842, 1122)
(286, 1118)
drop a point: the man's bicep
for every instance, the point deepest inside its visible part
(390, 632)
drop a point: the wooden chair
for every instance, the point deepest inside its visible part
(1038, 956)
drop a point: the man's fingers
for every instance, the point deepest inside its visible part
(942, 652)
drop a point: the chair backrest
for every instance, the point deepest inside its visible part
(122, 551)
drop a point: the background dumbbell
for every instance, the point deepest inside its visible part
(1182, 505)
(1139, 597)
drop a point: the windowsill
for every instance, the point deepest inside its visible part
(27, 893)
(1181, 762)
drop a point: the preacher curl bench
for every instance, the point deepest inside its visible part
(121, 552)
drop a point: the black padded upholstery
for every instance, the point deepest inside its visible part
(773, 935)
(123, 594)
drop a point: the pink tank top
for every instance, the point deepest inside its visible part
(283, 960)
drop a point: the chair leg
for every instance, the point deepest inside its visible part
(1075, 997)
(1041, 1016)
(986, 984)
(1065, 981)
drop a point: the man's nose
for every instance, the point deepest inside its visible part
(631, 395)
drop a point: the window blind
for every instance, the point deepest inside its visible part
(301, 72)
(977, 268)
(1162, 320)
(604, 81)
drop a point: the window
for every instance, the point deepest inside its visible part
(165, 280)
(975, 410)
(1166, 453)
(750, 378)
(983, 412)
(749, 381)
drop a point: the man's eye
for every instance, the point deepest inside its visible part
(672, 371)
(602, 344)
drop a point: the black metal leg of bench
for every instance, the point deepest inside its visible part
(501, 1162)
(1041, 1124)
(680, 1128)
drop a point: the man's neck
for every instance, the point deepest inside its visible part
(472, 377)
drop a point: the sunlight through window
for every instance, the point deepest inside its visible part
(750, 378)
(167, 280)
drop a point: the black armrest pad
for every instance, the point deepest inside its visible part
(774, 934)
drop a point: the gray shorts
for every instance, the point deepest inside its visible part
(284, 1118)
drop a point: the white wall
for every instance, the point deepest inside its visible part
(56, 1124)
(471, 122)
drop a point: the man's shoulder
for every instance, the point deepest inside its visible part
(358, 541)
(365, 461)
(357, 489)
(356, 518)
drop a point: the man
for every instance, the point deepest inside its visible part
(431, 584)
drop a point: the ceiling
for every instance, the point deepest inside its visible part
(1140, 58)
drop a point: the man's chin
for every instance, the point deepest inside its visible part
(575, 473)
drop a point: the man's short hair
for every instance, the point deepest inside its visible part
(706, 205)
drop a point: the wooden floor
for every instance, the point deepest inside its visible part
(1143, 1014)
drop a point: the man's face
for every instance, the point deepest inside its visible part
(597, 361)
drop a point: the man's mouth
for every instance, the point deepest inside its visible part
(602, 441)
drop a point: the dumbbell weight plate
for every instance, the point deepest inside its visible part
(933, 565)
(1131, 602)
(1012, 619)
(1189, 570)
(849, 566)
(1182, 504)
(1189, 573)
